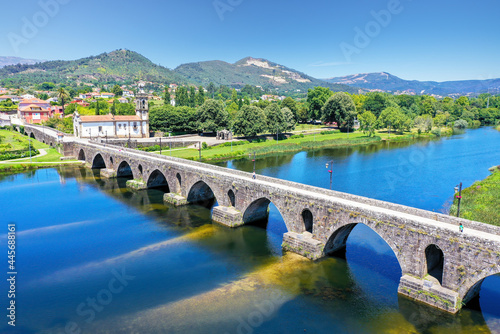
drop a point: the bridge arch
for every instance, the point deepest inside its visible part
(157, 179)
(470, 288)
(434, 259)
(178, 179)
(258, 211)
(232, 197)
(337, 241)
(200, 192)
(81, 155)
(98, 161)
(124, 170)
(307, 219)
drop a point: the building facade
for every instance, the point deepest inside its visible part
(33, 111)
(115, 126)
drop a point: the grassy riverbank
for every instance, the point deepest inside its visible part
(17, 141)
(296, 143)
(481, 201)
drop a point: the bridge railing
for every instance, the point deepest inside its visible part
(438, 217)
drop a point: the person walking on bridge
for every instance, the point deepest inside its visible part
(461, 227)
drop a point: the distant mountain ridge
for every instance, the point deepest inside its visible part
(390, 83)
(6, 61)
(122, 66)
(253, 71)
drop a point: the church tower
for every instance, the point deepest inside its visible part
(142, 108)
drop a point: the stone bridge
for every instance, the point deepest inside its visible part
(440, 266)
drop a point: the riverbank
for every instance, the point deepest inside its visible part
(14, 141)
(481, 202)
(296, 143)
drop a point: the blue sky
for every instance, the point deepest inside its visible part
(420, 40)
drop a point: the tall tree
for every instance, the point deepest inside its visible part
(181, 97)
(192, 97)
(200, 97)
(211, 89)
(288, 119)
(316, 98)
(166, 96)
(368, 122)
(117, 90)
(339, 108)
(63, 97)
(249, 121)
(290, 103)
(394, 118)
(212, 116)
(274, 117)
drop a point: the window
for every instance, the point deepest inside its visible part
(119, 126)
(100, 129)
(135, 125)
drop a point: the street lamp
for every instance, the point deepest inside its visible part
(458, 188)
(253, 161)
(330, 170)
(170, 143)
(106, 136)
(160, 144)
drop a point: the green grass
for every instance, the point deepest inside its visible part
(481, 201)
(51, 159)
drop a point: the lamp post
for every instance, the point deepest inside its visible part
(170, 143)
(253, 161)
(458, 189)
(160, 144)
(106, 136)
(330, 170)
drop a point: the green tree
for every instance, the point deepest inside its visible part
(302, 114)
(376, 102)
(393, 118)
(316, 99)
(368, 122)
(117, 90)
(212, 116)
(192, 96)
(234, 96)
(211, 89)
(113, 108)
(339, 108)
(249, 121)
(288, 119)
(166, 96)
(274, 117)
(200, 97)
(63, 97)
(423, 123)
(290, 103)
(462, 101)
(181, 97)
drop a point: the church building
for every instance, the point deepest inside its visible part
(115, 126)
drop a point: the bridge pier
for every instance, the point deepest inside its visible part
(136, 185)
(175, 199)
(303, 244)
(429, 292)
(107, 173)
(227, 215)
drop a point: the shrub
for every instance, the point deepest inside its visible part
(297, 136)
(436, 132)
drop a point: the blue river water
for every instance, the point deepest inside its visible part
(95, 257)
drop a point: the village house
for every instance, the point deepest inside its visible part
(13, 98)
(33, 111)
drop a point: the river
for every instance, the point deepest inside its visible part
(94, 257)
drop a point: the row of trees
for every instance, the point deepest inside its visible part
(212, 116)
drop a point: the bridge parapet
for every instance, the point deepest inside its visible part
(441, 266)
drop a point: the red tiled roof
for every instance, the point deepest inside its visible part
(110, 118)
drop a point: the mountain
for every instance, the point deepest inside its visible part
(120, 66)
(390, 83)
(6, 61)
(253, 71)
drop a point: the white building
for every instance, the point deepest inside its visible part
(115, 126)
